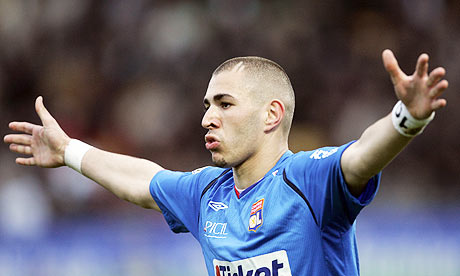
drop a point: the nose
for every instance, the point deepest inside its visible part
(210, 119)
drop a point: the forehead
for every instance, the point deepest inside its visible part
(233, 82)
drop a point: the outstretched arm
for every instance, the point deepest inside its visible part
(127, 177)
(381, 142)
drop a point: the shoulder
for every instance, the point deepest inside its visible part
(303, 158)
(322, 153)
(208, 172)
(309, 161)
(199, 176)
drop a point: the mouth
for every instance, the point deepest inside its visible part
(211, 142)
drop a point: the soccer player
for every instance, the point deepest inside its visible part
(262, 210)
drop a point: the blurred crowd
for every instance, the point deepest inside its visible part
(129, 77)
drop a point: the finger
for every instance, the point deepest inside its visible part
(438, 89)
(21, 149)
(43, 113)
(23, 127)
(392, 67)
(435, 75)
(439, 103)
(421, 69)
(21, 139)
(26, 161)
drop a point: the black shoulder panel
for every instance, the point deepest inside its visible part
(212, 183)
(299, 192)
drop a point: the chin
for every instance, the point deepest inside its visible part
(219, 161)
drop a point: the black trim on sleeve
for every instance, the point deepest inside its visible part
(299, 192)
(212, 183)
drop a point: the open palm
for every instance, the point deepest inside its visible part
(420, 91)
(44, 145)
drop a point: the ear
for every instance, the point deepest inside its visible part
(275, 114)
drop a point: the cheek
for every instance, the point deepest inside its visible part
(249, 128)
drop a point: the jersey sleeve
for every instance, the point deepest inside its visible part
(178, 196)
(320, 177)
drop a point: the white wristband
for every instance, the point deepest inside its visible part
(74, 153)
(405, 124)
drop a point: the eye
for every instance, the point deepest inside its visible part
(225, 105)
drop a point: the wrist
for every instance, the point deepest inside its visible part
(405, 123)
(74, 152)
(61, 151)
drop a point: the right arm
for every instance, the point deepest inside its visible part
(125, 176)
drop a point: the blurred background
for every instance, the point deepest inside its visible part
(130, 76)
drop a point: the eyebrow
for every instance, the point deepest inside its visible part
(217, 97)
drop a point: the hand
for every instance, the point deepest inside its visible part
(46, 144)
(419, 92)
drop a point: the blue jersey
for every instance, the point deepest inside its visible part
(299, 219)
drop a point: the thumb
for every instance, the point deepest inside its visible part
(392, 67)
(43, 113)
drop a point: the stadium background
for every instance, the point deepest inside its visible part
(129, 76)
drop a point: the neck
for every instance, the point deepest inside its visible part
(254, 168)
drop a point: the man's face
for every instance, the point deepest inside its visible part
(234, 119)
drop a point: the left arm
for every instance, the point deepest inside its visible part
(381, 142)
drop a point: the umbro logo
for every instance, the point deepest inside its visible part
(216, 206)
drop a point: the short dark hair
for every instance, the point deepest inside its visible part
(273, 76)
(252, 62)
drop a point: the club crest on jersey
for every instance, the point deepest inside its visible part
(256, 215)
